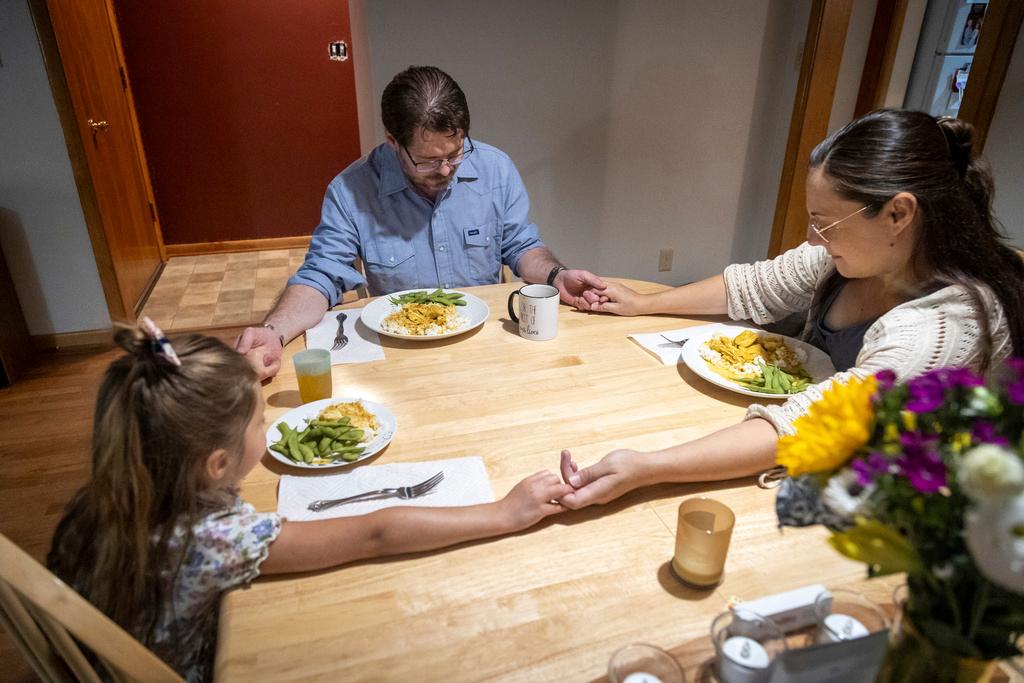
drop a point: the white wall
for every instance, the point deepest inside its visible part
(42, 229)
(1005, 151)
(637, 125)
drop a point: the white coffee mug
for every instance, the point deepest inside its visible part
(538, 311)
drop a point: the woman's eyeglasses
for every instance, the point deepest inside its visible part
(819, 231)
(435, 164)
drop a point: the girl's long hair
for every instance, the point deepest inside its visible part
(155, 425)
(958, 240)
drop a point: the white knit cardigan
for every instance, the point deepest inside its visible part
(933, 331)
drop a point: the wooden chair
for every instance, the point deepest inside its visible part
(507, 275)
(42, 614)
(361, 292)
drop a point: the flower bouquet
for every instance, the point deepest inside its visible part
(927, 478)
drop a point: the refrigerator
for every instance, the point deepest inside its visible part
(945, 51)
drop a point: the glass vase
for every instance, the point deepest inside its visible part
(912, 658)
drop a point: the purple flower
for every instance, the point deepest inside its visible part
(1015, 385)
(885, 379)
(985, 432)
(928, 391)
(869, 468)
(920, 463)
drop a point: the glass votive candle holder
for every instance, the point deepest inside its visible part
(746, 645)
(845, 615)
(642, 663)
(703, 532)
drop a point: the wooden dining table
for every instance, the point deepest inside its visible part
(552, 603)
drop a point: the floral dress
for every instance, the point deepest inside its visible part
(226, 551)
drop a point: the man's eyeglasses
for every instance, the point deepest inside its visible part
(435, 164)
(818, 230)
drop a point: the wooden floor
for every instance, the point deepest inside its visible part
(46, 424)
(220, 289)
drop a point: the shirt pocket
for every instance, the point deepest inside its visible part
(390, 266)
(483, 251)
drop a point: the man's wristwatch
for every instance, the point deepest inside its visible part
(270, 327)
(554, 273)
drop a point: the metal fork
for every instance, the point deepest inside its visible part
(403, 492)
(340, 339)
(677, 342)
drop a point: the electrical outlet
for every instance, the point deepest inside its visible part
(664, 260)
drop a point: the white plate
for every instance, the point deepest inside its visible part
(818, 365)
(299, 417)
(475, 311)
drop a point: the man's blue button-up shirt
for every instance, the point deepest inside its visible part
(406, 241)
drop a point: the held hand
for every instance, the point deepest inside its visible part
(262, 348)
(614, 475)
(579, 288)
(620, 300)
(531, 500)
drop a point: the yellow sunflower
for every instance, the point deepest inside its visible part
(830, 432)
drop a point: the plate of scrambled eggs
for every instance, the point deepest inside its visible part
(426, 320)
(376, 427)
(756, 363)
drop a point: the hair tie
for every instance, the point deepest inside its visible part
(161, 344)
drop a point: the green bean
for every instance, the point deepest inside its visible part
(293, 446)
(284, 429)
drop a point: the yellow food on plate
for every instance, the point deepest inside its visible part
(740, 357)
(423, 320)
(356, 413)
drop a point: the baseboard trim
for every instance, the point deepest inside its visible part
(233, 246)
(104, 339)
(74, 340)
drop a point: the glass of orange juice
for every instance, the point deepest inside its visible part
(313, 372)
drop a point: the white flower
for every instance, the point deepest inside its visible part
(838, 494)
(990, 471)
(995, 536)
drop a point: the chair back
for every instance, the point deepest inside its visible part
(359, 292)
(45, 617)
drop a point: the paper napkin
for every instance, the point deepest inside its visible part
(363, 343)
(465, 483)
(669, 353)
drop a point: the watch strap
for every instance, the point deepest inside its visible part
(554, 273)
(270, 326)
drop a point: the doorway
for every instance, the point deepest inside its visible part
(247, 110)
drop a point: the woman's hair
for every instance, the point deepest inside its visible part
(155, 425)
(958, 240)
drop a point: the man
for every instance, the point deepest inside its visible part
(429, 208)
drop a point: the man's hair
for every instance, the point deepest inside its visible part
(423, 97)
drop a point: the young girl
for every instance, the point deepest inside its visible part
(158, 532)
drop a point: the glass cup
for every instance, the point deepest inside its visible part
(642, 663)
(703, 532)
(313, 373)
(746, 644)
(845, 614)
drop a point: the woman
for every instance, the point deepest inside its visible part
(904, 269)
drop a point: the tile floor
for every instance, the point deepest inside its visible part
(215, 290)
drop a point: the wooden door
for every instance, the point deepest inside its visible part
(105, 120)
(244, 115)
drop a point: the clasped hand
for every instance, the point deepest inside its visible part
(612, 476)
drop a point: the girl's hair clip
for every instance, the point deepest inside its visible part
(160, 342)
